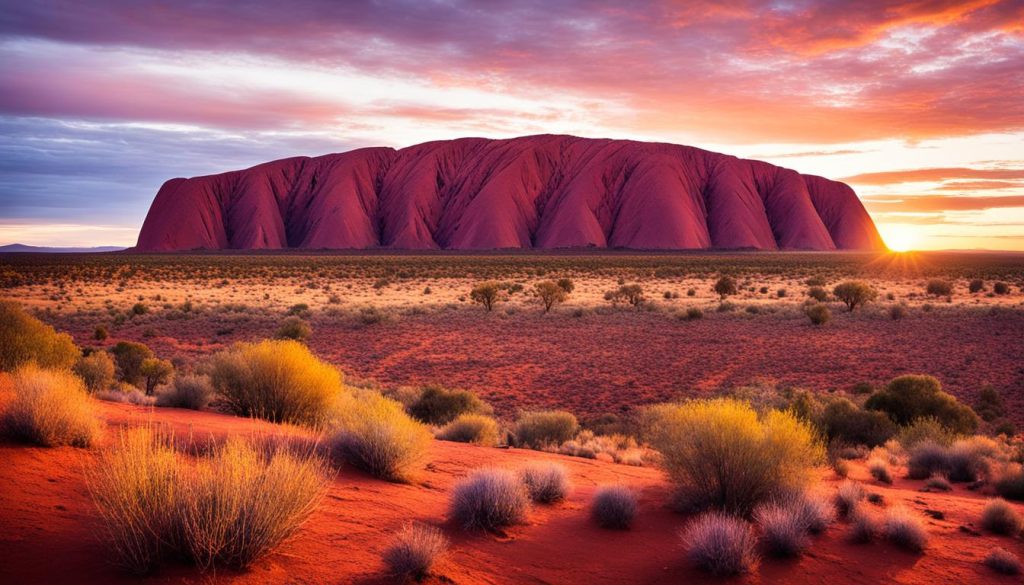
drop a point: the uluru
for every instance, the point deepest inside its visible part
(533, 192)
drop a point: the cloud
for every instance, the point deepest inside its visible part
(932, 174)
(934, 203)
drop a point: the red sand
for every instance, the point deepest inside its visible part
(51, 535)
(533, 192)
(607, 363)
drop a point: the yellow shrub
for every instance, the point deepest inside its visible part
(721, 454)
(50, 408)
(376, 435)
(228, 508)
(471, 428)
(23, 339)
(280, 380)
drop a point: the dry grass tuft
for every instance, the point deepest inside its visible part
(226, 509)
(1003, 561)
(50, 408)
(721, 544)
(414, 552)
(478, 429)
(1001, 518)
(614, 506)
(489, 499)
(904, 529)
(546, 483)
(783, 530)
(848, 497)
(376, 435)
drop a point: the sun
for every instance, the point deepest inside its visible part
(900, 238)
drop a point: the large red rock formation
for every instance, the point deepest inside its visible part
(532, 192)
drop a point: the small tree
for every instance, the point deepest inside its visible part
(725, 286)
(854, 293)
(486, 294)
(550, 294)
(155, 371)
(909, 398)
(567, 285)
(129, 357)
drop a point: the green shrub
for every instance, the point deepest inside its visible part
(818, 314)
(96, 370)
(23, 339)
(544, 428)
(925, 429)
(908, 398)
(844, 421)
(854, 293)
(439, 406)
(281, 381)
(294, 328)
(129, 357)
(471, 428)
(155, 372)
(721, 454)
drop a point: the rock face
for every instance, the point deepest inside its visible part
(539, 192)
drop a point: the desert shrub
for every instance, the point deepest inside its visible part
(100, 333)
(970, 459)
(694, 313)
(990, 405)
(294, 328)
(415, 550)
(725, 286)
(908, 398)
(155, 371)
(281, 381)
(904, 529)
(614, 506)
(192, 392)
(976, 285)
(1000, 517)
(547, 427)
(489, 499)
(1010, 482)
(471, 428)
(486, 294)
(632, 294)
(842, 420)
(938, 483)
(817, 293)
(720, 454)
(566, 284)
(864, 526)
(854, 293)
(897, 312)
(439, 406)
(818, 313)
(721, 544)
(1003, 561)
(50, 408)
(925, 429)
(129, 357)
(814, 511)
(227, 509)
(927, 459)
(376, 435)
(96, 370)
(1004, 426)
(550, 294)
(939, 288)
(848, 497)
(298, 310)
(879, 470)
(546, 483)
(1001, 288)
(23, 339)
(783, 529)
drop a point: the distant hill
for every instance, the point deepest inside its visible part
(48, 250)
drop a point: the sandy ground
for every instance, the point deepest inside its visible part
(51, 533)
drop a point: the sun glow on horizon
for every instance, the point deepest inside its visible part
(900, 237)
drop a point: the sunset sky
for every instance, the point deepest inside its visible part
(918, 105)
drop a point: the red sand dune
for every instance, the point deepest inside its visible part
(51, 533)
(540, 192)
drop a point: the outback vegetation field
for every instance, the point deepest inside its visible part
(511, 418)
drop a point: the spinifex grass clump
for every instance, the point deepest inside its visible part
(226, 509)
(373, 433)
(489, 499)
(722, 454)
(50, 408)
